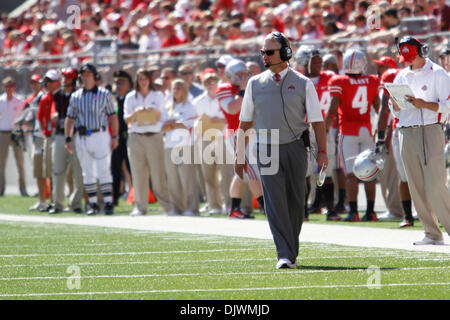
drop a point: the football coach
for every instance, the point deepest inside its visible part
(279, 100)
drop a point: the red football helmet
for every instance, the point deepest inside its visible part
(70, 73)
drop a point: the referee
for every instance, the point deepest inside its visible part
(278, 100)
(89, 110)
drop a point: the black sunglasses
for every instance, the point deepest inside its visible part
(268, 52)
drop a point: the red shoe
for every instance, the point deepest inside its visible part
(351, 217)
(370, 217)
(333, 216)
(407, 223)
(238, 214)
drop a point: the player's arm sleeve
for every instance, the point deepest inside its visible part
(335, 87)
(248, 106)
(225, 97)
(312, 103)
(443, 91)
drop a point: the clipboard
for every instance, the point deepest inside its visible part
(398, 93)
(147, 117)
(205, 123)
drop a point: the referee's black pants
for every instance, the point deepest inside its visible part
(117, 157)
(284, 195)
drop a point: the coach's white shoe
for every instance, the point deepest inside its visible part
(136, 212)
(387, 216)
(173, 213)
(214, 212)
(284, 263)
(427, 241)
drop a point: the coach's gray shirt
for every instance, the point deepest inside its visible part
(264, 99)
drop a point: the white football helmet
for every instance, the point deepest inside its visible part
(304, 55)
(368, 165)
(355, 61)
(447, 155)
(233, 68)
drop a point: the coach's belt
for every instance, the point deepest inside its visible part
(421, 126)
(147, 134)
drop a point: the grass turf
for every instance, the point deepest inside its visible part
(19, 205)
(37, 260)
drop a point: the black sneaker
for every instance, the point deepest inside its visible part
(333, 216)
(93, 210)
(315, 209)
(54, 210)
(109, 208)
(340, 208)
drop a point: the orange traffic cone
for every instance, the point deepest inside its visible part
(255, 203)
(151, 197)
(130, 198)
(48, 189)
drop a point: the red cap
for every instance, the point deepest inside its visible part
(386, 62)
(206, 71)
(35, 77)
(70, 73)
(408, 52)
(163, 24)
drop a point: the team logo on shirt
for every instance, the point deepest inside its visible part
(405, 49)
(424, 88)
(291, 87)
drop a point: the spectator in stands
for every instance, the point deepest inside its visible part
(362, 6)
(125, 42)
(418, 10)
(404, 12)
(444, 14)
(186, 72)
(10, 107)
(444, 59)
(168, 35)
(167, 76)
(339, 11)
(391, 18)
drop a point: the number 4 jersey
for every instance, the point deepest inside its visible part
(356, 95)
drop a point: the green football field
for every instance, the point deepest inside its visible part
(57, 261)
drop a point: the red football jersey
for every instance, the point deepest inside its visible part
(323, 91)
(356, 95)
(44, 114)
(223, 93)
(388, 77)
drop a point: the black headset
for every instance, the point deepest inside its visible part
(285, 51)
(422, 48)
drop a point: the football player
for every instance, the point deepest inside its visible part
(310, 61)
(353, 95)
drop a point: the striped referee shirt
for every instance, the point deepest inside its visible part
(91, 108)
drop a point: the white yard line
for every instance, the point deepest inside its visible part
(213, 274)
(226, 289)
(258, 229)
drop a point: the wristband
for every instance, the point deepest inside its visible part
(68, 139)
(322, 151)
(115, 137)
(381, 135)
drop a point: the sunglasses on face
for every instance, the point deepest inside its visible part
(268, 52)
(186, 73)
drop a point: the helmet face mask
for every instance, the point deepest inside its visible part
(368, 165)
(355, 62)
(234, 70)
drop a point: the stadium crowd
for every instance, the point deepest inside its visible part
(154, 103)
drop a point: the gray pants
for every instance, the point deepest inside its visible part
(284, 196)
(61, 160)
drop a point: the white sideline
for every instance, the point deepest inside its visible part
(227, 289)
(319, 233)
